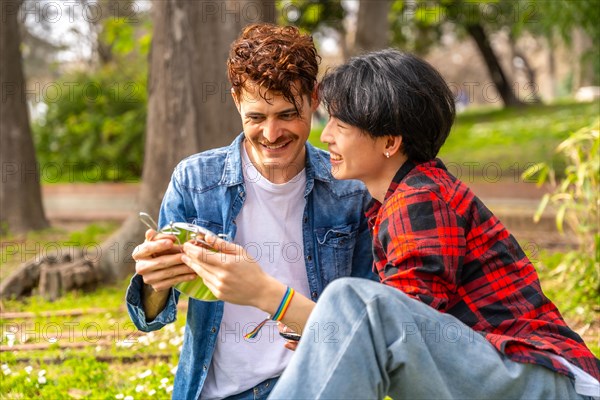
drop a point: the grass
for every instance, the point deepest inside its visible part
(81, 373)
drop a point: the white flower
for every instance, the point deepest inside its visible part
(10, 337)
(42, 372)
(6, 371)
(52, 340)
(169, 389)
(28, 369)
(128, 398)
(119, 396)
(152, 392)
(139, 388)
(174, 370)
(162, 345)
(145, 374)
(164, 380)
(41, 380)
(125, 343)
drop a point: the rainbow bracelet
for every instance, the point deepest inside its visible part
(278, 316)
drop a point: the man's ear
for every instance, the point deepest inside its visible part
(236, 101)
(393, 144)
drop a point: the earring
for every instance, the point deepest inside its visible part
(387, 154)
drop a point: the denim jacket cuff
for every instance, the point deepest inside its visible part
(136, 308)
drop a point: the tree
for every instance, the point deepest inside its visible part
(497, 74)
(422, 23)
(21, 206)
(189, 107)
(189, 110)
(372, 26)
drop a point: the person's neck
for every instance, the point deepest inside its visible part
(379, 185)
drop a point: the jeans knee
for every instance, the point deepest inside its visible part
(346, 288)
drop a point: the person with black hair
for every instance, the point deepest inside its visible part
(460, 312)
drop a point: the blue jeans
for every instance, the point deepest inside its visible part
(259, 392)
(381, 342)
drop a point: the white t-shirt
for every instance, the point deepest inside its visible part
(585, 384)
(269, 227)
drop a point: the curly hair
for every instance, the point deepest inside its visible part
(276, 58)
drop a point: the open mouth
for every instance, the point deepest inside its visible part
(276, 146)
(335, 157)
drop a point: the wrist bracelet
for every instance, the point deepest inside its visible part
(279, 314)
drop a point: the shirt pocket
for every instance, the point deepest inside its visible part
(335, 249)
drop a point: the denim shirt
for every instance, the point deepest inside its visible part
(207, 189)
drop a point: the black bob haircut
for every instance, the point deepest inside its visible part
(392, 93)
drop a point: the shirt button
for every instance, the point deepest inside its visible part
(305, 219)
(314, 295)
(204, 367)
(309, 257)
(213, 329)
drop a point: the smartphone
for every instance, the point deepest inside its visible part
(290, 336)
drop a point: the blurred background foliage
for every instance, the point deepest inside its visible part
(577, 202)
(94, 119)
(94, 127)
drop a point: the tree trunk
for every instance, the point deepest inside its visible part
(189, 106)
(532, 86)
(552, 67)
(21, 206)
(372, 26)
(268, 12)
(498, 76)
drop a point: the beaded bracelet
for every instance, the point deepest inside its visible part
(278, 316)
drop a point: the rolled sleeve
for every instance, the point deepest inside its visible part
(135, 307)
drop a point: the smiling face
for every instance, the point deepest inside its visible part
(275, 132)
(353, 153)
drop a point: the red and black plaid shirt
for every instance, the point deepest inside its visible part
(438, 243)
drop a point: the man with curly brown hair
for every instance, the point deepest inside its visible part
(269, 191)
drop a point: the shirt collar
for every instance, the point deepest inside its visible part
(374, 206)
